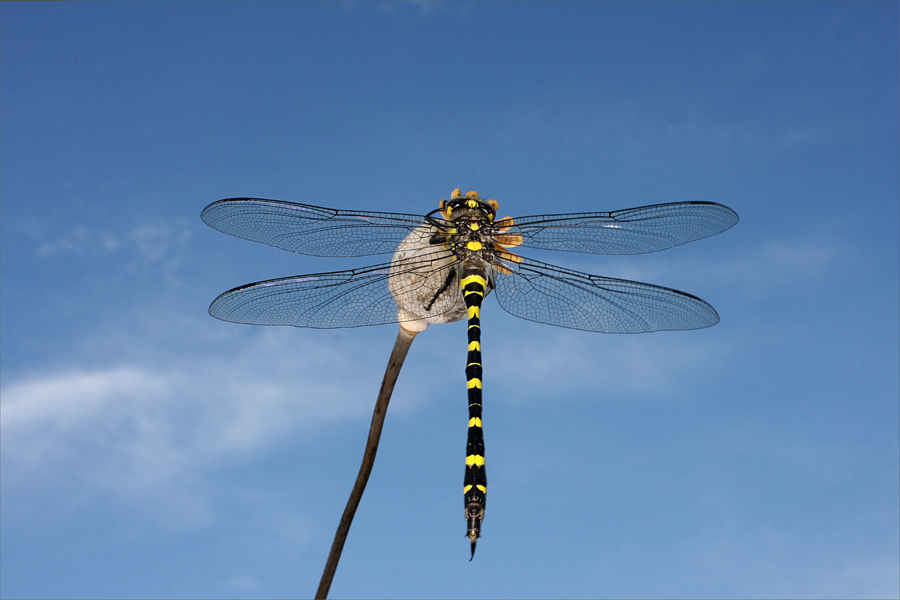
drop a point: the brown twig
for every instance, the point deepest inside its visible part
(398, 355)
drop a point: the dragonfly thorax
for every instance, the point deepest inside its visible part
(472, 238)
(468, 226)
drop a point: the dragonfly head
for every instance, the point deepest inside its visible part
(470, 206)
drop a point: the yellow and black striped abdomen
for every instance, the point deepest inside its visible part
(474, 286)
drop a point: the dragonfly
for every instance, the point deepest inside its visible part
(445, 263)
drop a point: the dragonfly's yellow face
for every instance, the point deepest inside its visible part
(469, 205)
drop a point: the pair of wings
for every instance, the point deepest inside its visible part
(528, 289)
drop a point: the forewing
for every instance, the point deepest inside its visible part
(630, 231)
(352, 298)
(311, 230)
(549, 294)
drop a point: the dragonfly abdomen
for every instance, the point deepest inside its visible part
(473, 281)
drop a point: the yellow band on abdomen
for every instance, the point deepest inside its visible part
(473, 279)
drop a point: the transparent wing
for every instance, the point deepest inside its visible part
(548, 294)
(424, 287)
(309, 229)
(630, 231)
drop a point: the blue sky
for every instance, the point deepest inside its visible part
(149, 450)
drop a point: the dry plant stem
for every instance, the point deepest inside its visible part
(398, 355)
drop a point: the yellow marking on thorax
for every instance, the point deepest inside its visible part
(474, 422)
(474, 246)
(474, 460)
(474, 346)
(474, 312)
(473, 383)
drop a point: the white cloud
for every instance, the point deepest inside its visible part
(142, 248)
(873, 578)
(766, 267)
(638, 136)
(775, 264)
(147, 433)
(243, 583)
(607, 368)
(154, 242)
(423, 8)
(772, 562)
(147, 243)
(78, 241)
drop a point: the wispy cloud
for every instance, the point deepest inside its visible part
(576, 365)
(773, 265)
(637, 134)
(425, 9)
(80, 241)
(141, 248)
(147, 432)
(147, 243)
(154, 243)
(768, 561)
(761, 268)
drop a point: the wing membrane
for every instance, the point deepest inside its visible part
(548, 294)
(420, 284)
(630, 231)
(353, 298)
(311, 230)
